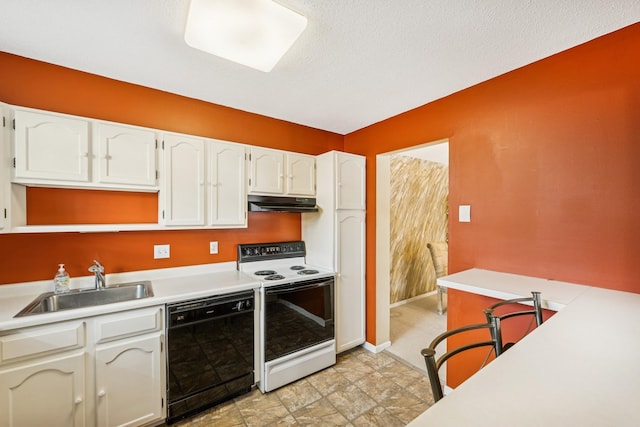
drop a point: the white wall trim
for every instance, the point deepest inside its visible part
(417, 297)
(376, 348)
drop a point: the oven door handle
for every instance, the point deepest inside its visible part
(271, 291)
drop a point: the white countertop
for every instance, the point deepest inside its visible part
(579, 368)
(169, 285)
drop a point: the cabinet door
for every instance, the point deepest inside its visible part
(227, 190)
(183, 180)
(301, 175)
(44, 393)
(126, 155)
(4, 170)
(129, 382)
(267, 171)
(350, 181)
(350, 286)
(50, 147)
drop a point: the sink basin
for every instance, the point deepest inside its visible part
(50, 302)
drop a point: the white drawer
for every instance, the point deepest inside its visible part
(128, 323)
(41, 341)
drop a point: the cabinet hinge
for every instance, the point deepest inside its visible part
(5, 213)
(4, 121)
(163, 144)
(14, 162)
(14, 124)
(249, 156)
(162, 402)
(249, 182)
(163, 214)
(156, 144)
(156, 174)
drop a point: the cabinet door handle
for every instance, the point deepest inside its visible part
(78, 400)
(101, 393)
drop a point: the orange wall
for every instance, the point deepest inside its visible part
(547, 157)
(27, 257)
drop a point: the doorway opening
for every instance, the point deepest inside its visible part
(412, 214)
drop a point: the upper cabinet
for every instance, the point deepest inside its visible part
(66, 151)
(50, 147)
(227, 191)
(350, 180)
(4, 170)
(203, 183)
(276, 172)
(182, 193)
(126, 155)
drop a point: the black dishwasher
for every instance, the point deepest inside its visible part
(210, 352)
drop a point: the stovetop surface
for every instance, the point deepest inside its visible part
(289, 270)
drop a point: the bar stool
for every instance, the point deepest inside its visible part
(535, 312)
(434, 365)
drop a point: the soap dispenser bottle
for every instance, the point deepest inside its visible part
(61, 280)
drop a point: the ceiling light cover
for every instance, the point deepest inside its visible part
(255, 33)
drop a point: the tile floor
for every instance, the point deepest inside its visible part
(361, 389)
(413, 326)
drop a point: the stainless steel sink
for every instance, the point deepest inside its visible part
(50, 302)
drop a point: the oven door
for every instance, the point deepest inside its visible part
(297, 316)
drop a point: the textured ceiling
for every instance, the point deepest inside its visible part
(357, 63)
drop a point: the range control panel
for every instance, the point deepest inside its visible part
(268, 251)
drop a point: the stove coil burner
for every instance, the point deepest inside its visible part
(265, 272)
(305, 272)
(274, 277)
(297, 267)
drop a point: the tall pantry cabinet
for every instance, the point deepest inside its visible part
(335, 239)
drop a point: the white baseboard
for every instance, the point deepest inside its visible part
(408, 300)
(376, 348)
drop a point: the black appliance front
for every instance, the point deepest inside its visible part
(297, 316)
(210, 352)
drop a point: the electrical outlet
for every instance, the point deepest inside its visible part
(213, 247)
(161, 251)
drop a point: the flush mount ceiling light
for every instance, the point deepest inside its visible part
(255, 33)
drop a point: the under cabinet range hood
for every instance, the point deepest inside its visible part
(281, 204)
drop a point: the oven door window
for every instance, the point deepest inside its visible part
(298, 316)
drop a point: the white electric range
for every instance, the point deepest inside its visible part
(297, 331)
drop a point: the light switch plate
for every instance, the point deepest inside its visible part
(213, 247)
(464, 213)
(161, 251)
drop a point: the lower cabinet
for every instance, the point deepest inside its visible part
(128, 387)
(48, 392)
(99, 371)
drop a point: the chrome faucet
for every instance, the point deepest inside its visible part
(98, 270)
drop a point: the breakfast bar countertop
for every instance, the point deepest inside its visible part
(580, 367)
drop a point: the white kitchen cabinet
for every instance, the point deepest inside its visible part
(99, 371)
(227, 192)
(275, 172)
(267, 171)
(60, 150)
(129, 367)
(300, 174)
(42, 376)
(126, 155)
(5, 177)
(335, 239)
(350, 181)
(182, 190)
(186, 200)
(45, 392)
(350, 285)
(50, 147)
(128, 385)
